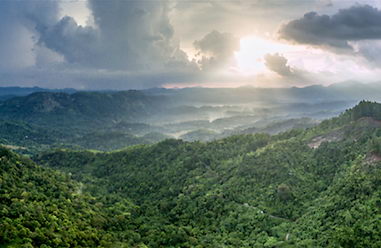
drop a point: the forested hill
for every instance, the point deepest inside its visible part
(318, 187)
(77, 109)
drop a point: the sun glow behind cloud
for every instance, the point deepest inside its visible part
(250, 57)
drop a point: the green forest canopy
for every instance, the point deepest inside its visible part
(314, 188)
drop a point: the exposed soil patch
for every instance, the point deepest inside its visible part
(369, 122)
(372, 158)
(331, 137)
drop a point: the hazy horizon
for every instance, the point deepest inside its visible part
(210, 86)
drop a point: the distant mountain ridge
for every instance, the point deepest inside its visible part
(350, 89)
(203, 114)
(46, 108)
(346, 91)
(133, 104)
(12, 91)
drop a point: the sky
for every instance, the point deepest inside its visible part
(128, 44)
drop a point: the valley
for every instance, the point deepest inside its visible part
(81, 120)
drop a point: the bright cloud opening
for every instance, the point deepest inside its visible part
(250, 58)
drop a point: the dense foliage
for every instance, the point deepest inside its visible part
(318, 187)
(40, 207)
(366, 109)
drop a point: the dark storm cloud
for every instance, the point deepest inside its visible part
(277, 63)
(130, 42)
(127, 35)
(360, 22)
(216, 49)
(76, 43)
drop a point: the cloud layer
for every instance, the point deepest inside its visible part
(127, 35)
(140, 44)
(133, 40)
(216, 50)
(278, 63)
(360, 22)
